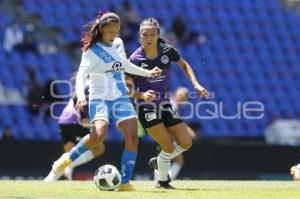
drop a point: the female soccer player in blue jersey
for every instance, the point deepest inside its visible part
(153, 106)
(104, 62)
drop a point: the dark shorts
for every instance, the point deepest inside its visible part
(165, 114)
(72, 132)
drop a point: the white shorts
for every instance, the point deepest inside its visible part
(118, 110)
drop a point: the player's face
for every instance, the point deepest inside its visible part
(110, 32)
(149, 37)
(181, 96)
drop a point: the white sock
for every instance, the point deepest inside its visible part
(155, 175)
(163, 164)
(164, 161)
(84, 158)
(174, 170)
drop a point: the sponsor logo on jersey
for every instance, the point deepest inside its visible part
(116, 67)
(164, 59)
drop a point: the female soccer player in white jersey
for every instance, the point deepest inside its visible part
(158, 117)
(104, 62)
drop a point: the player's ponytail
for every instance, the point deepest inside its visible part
(92, 34)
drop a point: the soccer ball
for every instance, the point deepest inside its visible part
(107, 178)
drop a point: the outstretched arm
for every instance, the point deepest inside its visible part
(135, 70)
(130, 67)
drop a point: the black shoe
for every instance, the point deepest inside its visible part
(164, 185)
(152, 164)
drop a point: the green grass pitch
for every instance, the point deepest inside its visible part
(145, 189)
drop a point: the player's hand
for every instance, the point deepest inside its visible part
(201, 91)
(148, 96)
(81, 104)
(155, 72)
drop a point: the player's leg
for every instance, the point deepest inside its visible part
(181, 136)
(84, 158)
(151, 121)
(88, 142)
(129, 130)
(92, 140)
(123, 113)
(99, 117)
(98, 113)
(173, 124)
(160, 134)
(78, 132)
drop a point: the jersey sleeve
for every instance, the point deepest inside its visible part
(82, 74)
(86, 60)
(174, 55)
(132, 60)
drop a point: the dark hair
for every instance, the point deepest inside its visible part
(150, 22)
(92, 33)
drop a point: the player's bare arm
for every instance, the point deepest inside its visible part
(191, 75)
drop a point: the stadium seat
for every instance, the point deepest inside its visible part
(251, 52)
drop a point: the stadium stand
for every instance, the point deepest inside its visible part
(251, 53)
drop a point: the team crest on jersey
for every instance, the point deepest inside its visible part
(164, 59)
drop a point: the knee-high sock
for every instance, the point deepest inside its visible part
(77, 151)
(127, 165)
(84, 158)
(164, 161)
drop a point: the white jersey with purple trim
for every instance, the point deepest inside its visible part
(104, 65)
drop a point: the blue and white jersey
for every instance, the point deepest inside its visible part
(104, 65)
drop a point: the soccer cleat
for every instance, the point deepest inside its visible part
(126, 187)
(68, 172)
(164, 185)
(59, 165)
(295, 172)
(152, 164)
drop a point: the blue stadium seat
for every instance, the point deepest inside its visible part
(251, 53)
